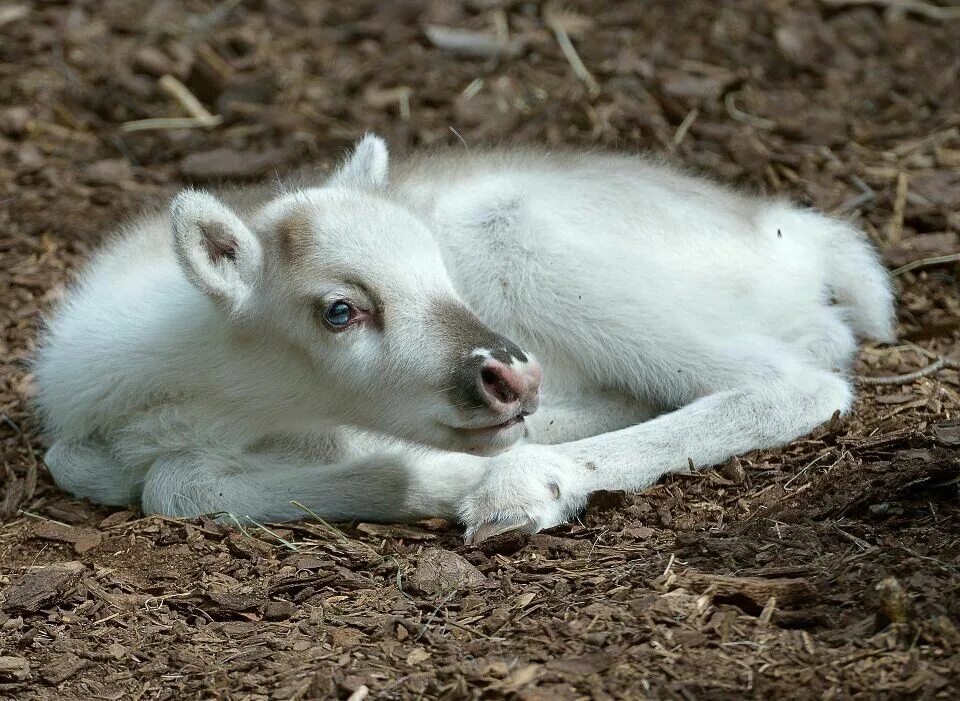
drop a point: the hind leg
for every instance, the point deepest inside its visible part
(87, 469)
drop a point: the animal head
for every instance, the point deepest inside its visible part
(353, 280)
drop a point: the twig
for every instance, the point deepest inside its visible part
(808, 466)
(899, 205)
(855, 202)
(669, 565)
(909, 147)
(730, 102)
(923, 262)
(684, 127)
(866, 196)
(171, 123)
(930, 369)
(917, 7)
(43, 518)
(570, 53)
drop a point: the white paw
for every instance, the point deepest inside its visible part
(528, 488)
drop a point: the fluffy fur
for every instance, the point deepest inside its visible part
(675, 320)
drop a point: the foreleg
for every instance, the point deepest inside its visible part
(386, 486)
(534, 486)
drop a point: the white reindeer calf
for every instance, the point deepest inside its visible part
(346, 346)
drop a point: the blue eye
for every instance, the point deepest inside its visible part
(338, 314)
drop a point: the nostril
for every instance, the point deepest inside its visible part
(488, 376)
(497, 385)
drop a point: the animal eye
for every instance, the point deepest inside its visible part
(338, 315)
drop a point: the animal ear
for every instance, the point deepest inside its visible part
(216, 250)
(367, 165)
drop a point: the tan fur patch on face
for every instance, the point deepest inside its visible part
(294, 235)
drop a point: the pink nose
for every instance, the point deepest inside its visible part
(508, 384)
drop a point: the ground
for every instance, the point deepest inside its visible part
(827, 569)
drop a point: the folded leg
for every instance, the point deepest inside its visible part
(385, 486)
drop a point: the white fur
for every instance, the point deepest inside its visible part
(676, 321)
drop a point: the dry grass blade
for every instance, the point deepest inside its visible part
(730, 102)
(200, 116)
(158, 123)
(684, 127)
(179, 92)
(335, 532)
(554, 20)
(38, 517)
(924, 262)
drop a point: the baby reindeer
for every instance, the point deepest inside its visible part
(487, 336)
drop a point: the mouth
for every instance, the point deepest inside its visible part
(491, 429)
(509, 423)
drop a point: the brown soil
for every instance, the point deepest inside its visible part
(827, 569)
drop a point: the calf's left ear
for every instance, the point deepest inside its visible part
(366, 168)
(215, 249)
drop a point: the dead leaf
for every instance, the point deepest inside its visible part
(440, 571)
(417, 655)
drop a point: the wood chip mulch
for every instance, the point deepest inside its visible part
(827, 569)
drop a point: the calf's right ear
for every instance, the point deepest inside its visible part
(216, 251)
